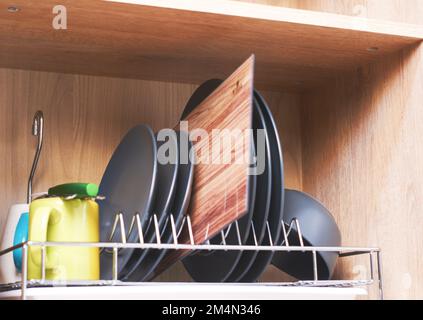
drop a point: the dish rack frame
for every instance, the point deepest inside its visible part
(374, 278)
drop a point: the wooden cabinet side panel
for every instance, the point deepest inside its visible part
(362, 156)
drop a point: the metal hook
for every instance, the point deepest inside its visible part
(37, 130)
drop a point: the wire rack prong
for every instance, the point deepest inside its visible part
(131, 226)
(315, 272)
(184, 221)
(118, 220)
(294, 223)
(173, 227)
(43, 263)
(191, 235)
(115, 223)
(135, 220)
(206, 236)
(285, 235)
(115, 268)
(222, 234)
(238, 233)
(122, 228)
(253, 230)
(228, 229)
(157, 229)
(269, 233)
(300, 234)
(139, 228)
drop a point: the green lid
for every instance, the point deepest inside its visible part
(81, 190)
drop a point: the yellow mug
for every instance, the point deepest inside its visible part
(60, 220)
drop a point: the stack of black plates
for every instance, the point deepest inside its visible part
(262, 224)
(146, 177)
(137, 181)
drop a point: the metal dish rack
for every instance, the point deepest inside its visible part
(375, 276)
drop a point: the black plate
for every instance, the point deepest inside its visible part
(216, 266)
(167, 173)
(264, 258)
(262, 202)
(201, 93)
(179, 209)
(128, 184)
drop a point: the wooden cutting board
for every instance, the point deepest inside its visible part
(220, 194)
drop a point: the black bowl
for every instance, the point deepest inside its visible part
(318, 229)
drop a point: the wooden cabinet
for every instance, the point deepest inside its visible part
(346, 91)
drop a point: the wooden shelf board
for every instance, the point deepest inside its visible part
(189, 291)
(192, 41)
(286, 15)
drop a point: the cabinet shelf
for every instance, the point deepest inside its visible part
(184, 291)
(190, 41)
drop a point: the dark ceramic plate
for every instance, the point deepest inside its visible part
(179, 209)
(262, 202)
(128, 184)
(264, 258)
(167, 173)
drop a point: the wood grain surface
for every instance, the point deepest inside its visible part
(361, 146)
(86, 117)
(353, 142)
(181, 45)
(361, 150)
(286, 109)
(220, 190)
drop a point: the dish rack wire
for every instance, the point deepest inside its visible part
(113, 247)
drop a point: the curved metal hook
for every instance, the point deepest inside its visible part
(37, 130)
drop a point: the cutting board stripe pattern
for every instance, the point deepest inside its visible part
(220, 192)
